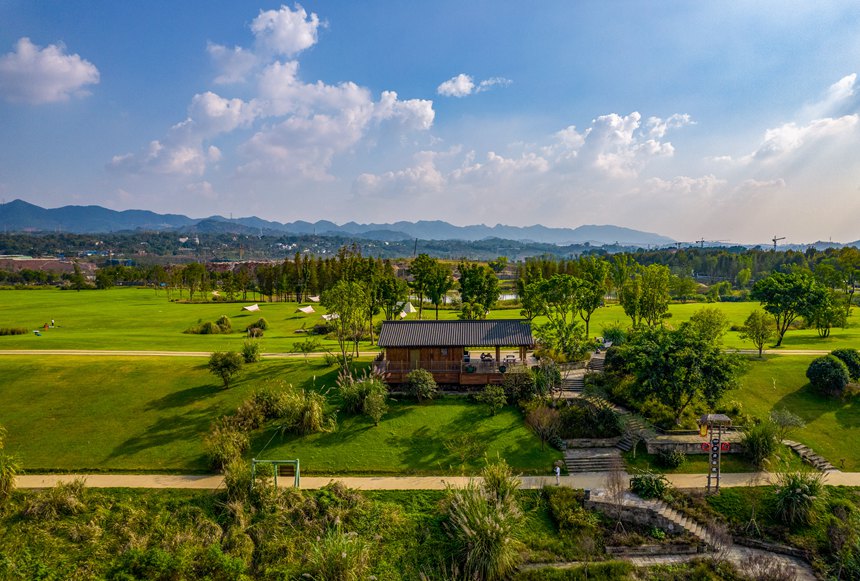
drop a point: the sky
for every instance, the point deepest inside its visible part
(722, 120)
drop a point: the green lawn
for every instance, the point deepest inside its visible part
(832, 425)
(119, 413)
(151, 414)
(699, 463)
(416, 439)
(140, 319)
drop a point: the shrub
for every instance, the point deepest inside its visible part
(273, 404)
(613, 361)
(375, 406)
(225, 442)
(828, 375)
(420, 384)
(311, 413)
(237, 479)
(547, 377)
(582, 419)
(338, 555)
(209, 328)
(224, 324)
(542, 420)
(354, 391)
(225, 365)
(65, 498)
(671, 458)
(566, 506)
(248, 416)
(785, 422)
(483, 530)
(647, 484)
(12, 331)
(499, 481)
(260, 323)
(851, 359)
(797, 496)
(251, 351)
(255, 333)
(519, 385)
(614, 333)
(760, 443)
(9, 469)
(493, 396)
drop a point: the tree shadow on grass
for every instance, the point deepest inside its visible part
(189, 426)
(848, 416)
(807, 403)
(184, 397)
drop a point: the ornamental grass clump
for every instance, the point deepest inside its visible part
(338, 555)
(797, 496)
(65, 498)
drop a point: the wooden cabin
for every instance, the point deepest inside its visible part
(455, 352)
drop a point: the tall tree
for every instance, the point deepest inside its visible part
(439, 284)
(655, 293)
(393, 292)
(421, 270)
(349, 301)
(758, 328)
(479, 285)
(787, 296)
(594, 273)
(678, 367)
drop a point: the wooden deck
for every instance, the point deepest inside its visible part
(464, 373)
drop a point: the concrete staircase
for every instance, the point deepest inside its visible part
(592, 460)
(595, 364)
(572, 385)
(810, 457)
(682, 522)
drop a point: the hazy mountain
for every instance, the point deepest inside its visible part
(22, 216)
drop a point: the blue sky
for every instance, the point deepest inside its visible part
(724, 120)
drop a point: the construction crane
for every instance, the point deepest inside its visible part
(702, 241)
(775, 240)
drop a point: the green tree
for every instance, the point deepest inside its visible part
(393, 292)
(422, 269)
(787, 296)
(348, 300)
(493, 396)
(825, 315)
(439, 283)
(757, 328)
(742, 279)
(710, 322)
(374, 406)
(683, 287)
(499, 264)
(478, 285)
(421, 385)
(630, 297)
(828, 374)
(226, 365)
(561, 337)
(594, 273)
(655, 293)
(679, 367)
(531, 300)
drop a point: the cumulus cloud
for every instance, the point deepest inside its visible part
(34, 75)
(781, 141)
(297, 127)
(234, 64)
(285, 32)
(463, 85)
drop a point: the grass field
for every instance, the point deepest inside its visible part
(151, 414)
(140, 319)
(448, 436)
(832, 425)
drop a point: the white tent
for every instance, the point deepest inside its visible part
(408, 308)
(331, 316)
(307, 310)
(314, 299)
(254, 307)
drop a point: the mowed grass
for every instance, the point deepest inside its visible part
(141, 319)
(450, 436)
(132, 414)
(120, 413)
(832, 425)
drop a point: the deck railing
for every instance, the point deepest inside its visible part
(473, 366)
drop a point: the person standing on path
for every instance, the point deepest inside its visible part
(557, 475)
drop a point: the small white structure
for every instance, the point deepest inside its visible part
(331, 316)
(314, 299)
(252, 308)
(307, 310)
(408, 308)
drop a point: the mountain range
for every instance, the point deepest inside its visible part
(21, 216)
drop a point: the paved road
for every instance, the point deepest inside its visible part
(591, 480)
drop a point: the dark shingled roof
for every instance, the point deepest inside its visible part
(504, 333)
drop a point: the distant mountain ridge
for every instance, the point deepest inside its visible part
(20, 216)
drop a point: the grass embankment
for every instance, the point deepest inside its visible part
(832, 425)
(141, 319)
(151, 414)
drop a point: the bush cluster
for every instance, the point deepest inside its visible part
(567, 508)
(221, 326)
(671, 458)
(851, 359)
(260, 324)
(760, 443)
(582, 419)
(648, 484)
(421, 385)
(828, 375)
(12, 331)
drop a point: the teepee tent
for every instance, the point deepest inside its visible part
(408, 308)
(307, 310)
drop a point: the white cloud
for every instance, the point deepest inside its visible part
(458, 86)
(781, 141)
(463, 85)
(234, 64)
(35, 75)
(839, 96)
(284, 31)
